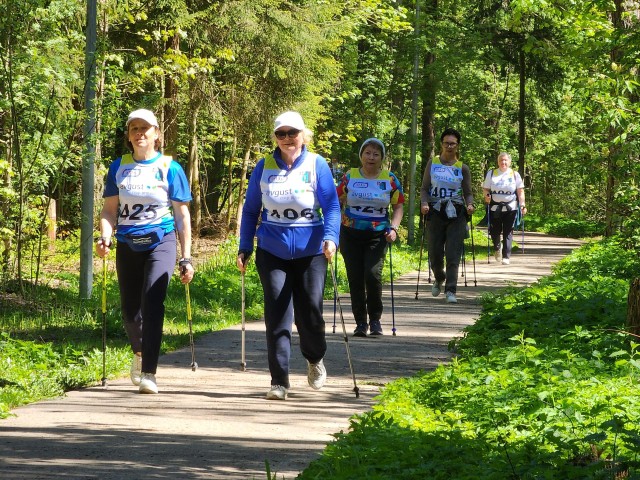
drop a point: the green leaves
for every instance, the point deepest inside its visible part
(544, 386)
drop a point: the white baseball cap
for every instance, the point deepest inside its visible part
(143, 114)
(289, 119)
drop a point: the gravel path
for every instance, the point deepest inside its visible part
(215, 423)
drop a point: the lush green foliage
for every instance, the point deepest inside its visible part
(545, 386)
(562, 226)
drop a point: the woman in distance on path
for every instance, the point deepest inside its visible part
(447, 201)
(504, 194)
(367, 193)
(293, 194)
(146, 199)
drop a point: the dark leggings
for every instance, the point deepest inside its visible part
(293, 292)
(363, 253)
(502, 228)
(143, 278)
(446, 237)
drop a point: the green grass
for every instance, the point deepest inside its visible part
(561, 226)
(545, 386)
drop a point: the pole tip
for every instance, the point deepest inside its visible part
(357, 391)
(194, 366)
(243, 366)
(104, 382)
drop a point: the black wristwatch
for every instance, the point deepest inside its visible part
(183, 262)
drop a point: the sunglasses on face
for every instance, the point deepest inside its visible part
(281, 134)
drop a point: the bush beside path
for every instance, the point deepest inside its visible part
(215, 423)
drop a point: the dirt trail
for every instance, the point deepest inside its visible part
(215, 423)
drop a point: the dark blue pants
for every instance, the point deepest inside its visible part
(293, 293)
(446, 237)
(143, 278)
(502, 229)
(363, 253)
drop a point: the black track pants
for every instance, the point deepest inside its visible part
(293, 292)
(446, 238)
(363, 253)
(143, 278)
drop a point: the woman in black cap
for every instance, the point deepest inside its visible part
(366, 194)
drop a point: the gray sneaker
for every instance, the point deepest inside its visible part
(437, 287)
(148, 383)
(277, 392)
(136, 369)
(451, 297)
(316, 375)
(498, 253)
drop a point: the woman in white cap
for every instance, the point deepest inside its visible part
(146, 199)
(368, 193)
(504, 194)
(447, 202)
(293, 194)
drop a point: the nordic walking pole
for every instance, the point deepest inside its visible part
(104, 321)
(194, 365)
(356, 390)
(473, 253)
(243, 363)
(464, 265)
(488, 231)
(334, 297)
(523, 233)
(393, 307)
(424, 224)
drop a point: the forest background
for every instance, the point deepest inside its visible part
(553, 82)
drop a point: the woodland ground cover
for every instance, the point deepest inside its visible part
(544, 386)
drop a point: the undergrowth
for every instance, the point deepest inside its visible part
(545, 386)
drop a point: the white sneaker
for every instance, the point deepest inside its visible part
(148, 383)
(316, 375)
(505, 261)
(136, 369)
(498, 253)
(437, 286)
(451, 297)
(277, 392)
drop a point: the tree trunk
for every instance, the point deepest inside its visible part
(171, 106)
(522, 144)
(230, 205)
(633, 308)
(428, 144)
(193, 169)
(241, 189)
